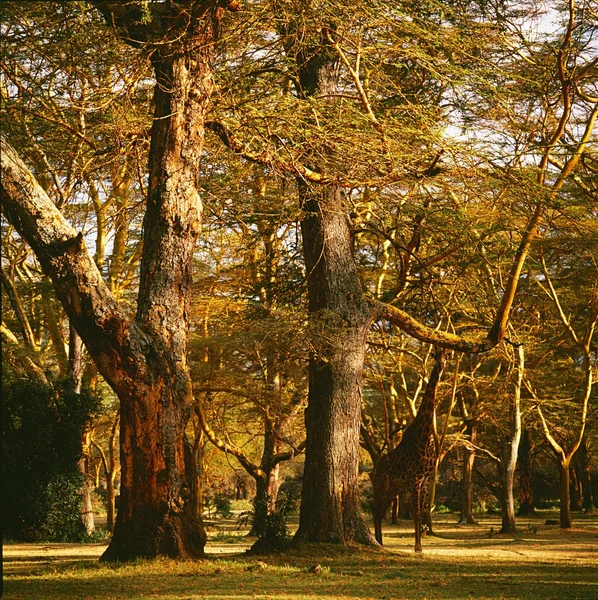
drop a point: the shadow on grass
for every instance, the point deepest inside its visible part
(379, 575)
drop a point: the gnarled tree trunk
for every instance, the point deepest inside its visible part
(145, 359)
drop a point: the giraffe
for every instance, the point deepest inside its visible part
(410, 464)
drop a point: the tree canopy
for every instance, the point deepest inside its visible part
(251, 208)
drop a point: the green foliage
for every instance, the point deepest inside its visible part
(42, 446)
(274, 534)
(61, 509)
(218, 503)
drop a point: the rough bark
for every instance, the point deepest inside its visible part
(143, 360)
(339, 317)
(154, 492)
(339, 320)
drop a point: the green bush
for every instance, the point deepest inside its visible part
(42, 427)
(62, 502)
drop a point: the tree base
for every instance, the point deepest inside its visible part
(173, 537)
(263, 547)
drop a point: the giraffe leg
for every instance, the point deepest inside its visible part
(382, 500)
(416, 510)
(378, 528)
(378, 513)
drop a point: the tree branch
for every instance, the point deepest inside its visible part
(63, 255)
(251, 468)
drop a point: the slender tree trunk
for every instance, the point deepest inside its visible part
(466, 516)
(507, 501)
(565, 502)
(17, 306)
(431, 498)
(575, 489)
(194, 466)
(586, 477)
(394, 511)
(511, 452)
(75, 362)
(405, 504)
(111, 477)
(526, 490)
(267, 483)
(53, 329)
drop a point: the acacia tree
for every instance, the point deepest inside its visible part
(142, 358)
(562, 442)
(343, 85)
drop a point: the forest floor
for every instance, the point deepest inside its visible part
(540, 561)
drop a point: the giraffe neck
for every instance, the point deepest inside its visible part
(425, 415)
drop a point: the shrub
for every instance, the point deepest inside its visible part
(42, 428)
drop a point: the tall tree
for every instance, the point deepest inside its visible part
(143, 359)
(358, 119)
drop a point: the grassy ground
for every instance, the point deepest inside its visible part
(540, 562)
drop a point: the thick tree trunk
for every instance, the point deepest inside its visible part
(339, 319)
(466, 517)
(565, 502)
(154, 514)
(526, 490)
(144, 361)
(266, 495)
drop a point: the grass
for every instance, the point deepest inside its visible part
(460, 563)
